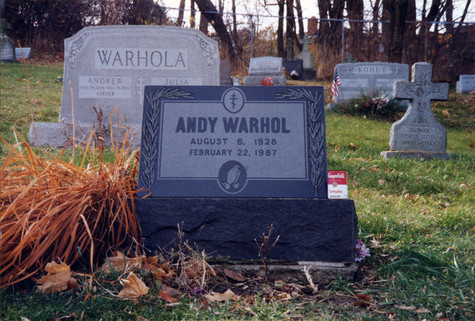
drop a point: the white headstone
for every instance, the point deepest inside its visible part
(264, 67)
(418, 134)
(108, 66)
(466, 84)
(369, 77)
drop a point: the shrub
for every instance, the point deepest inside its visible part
(372, 106)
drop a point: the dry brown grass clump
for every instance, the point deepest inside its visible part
(55, 210)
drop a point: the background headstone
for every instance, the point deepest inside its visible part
(466, 84)
(369, 77)
(7, 46)
(225, 73)
(294, 68)
(418, 134)
(263, 67)
(23, 53)
(109, 66)
(308, 72)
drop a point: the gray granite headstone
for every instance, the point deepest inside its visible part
(369, 77)
(7, 46)
(233, 142)
(308, 72)
(23, 53)
(418, 134)
(225, 73)
(466, 84)
(227, 162)
(109, 66)
(264, 67)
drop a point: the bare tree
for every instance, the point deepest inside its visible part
(192, 14)
(181, 11)
(209, 11)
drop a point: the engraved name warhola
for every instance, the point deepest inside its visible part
(141, 58)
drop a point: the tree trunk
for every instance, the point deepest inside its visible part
(280, 29)
(290, 27)
(208, 9)
(300, 21)
(181, 10)
(192, 14)
(203, 23)
(356, 36)
(398, 13)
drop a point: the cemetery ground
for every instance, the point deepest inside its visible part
(416, 217)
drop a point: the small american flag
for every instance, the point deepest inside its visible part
(336, 83)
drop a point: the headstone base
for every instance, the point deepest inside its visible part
(59, 134)
(422, 155)
(309, 74)
(309, 229)
(294, 68)
(321, 272)
(257, 80)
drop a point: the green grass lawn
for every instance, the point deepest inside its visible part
(417, 217)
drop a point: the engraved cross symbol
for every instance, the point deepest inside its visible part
(233, 100)
(139, 85)
(420, 92)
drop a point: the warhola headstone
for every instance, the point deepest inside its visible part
(418, 134)
(229, 162)
(109, 66)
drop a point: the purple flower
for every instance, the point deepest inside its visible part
(361, 252)
(198, 290)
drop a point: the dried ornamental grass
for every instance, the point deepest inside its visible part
(52, 209)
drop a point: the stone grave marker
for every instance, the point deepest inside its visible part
(308, 72)
(23, 53)
(466, 84)
(369, 77)
(418, 134)
(228, 162)
(225, 73)
(264, 67)
(109, 66)
(7, 46)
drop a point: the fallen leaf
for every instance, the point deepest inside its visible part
(363, 297)
(139, 318)
(407, 308)
(165, 296)
(362, 304)
(352, 146)
(58, 278)
(134, 287)
(220, 297)
(381, 182)
(120, 262)
(235, 276)
(172, 291)
(374, 243)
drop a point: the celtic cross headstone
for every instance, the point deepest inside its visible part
(418, 134)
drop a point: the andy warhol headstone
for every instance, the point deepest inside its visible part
(418, 134)
(370, 78)
(228, 162)
(108, 66)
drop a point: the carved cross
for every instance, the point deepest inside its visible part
(305, 42)
(420, 92)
